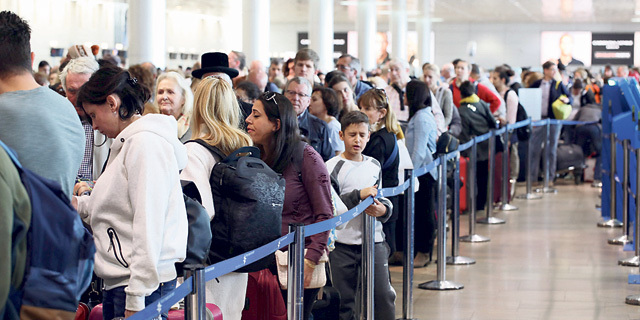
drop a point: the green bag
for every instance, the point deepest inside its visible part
(561, 110)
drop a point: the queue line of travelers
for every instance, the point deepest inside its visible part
(125, 147)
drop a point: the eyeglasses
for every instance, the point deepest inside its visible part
(342, 67)
(293, 93)
(270, 96)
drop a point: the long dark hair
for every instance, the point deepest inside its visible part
(113, 80)
(287, 137)
(418, 96)
(330, 99)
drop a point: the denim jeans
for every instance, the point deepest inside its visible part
(113, 302)
(539, 150)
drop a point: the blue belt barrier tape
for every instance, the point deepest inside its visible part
(465, 146)
(164, 303)
(223, 267)
(421, 171)
(326, 225)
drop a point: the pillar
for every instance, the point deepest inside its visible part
(255, 30)
(147, 24)
(321, 32)
(398, 29)
(424, 32)
(366, 28)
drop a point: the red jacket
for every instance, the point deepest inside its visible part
(483, 92)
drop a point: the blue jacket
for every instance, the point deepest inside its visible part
(317, 132)
(554, 93)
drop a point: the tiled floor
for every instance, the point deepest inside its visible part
(549, 261)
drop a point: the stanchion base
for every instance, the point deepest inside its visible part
(491, 220)
(547, 190)
(611, 223)
(529, 196)
(630, 262)
(459, 261)
(633, 299)
(441, 285)
(474, 238)
(507, 207)
(620, 241)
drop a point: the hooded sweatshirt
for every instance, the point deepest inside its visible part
(137, 211)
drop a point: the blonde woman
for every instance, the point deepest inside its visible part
(173, 97)
(215, 119)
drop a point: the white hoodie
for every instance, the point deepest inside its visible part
(137, 211)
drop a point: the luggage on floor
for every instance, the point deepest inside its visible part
(568, 156)
(327, 307)
(497, 177)
(463, 183)
(264, 299)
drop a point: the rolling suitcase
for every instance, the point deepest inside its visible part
(569, 156)
(264, 299)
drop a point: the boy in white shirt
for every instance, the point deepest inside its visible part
(356, 177)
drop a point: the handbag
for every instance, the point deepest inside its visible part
(561, 110)
(318, 278)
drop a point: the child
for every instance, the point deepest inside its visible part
(383, 146)
(356, 177)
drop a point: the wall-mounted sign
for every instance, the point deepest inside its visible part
(612, 48)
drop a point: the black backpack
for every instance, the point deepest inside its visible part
(248, 197)
(199, 238)
(525, 132)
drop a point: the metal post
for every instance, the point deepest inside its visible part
(295, 275)
(195, 305)
(441, 283)
(407, 272)
(547, 155)
(471, 196)
(506, 206)
(368, 242)
(625, 237)
(613, 222)
(529, 195)
(455, 259)
(635, 260)
(488, 208)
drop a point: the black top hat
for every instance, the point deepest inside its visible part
(215, 62)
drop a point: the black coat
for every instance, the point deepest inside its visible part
(317, 134)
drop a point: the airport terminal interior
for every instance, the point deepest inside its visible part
(550, 259)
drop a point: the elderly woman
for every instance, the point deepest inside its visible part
(174, 98)
(137, 215)
(273, 127)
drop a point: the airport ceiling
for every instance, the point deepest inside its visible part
(454, 11)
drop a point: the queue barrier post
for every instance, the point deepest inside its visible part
(488, 208)
(407, 272)
(612, 222)
(625, 237)
(505, 205)
(471, 196)
(529, 195)
(195, 305)
(635, 260)
(547, 154)
(295, 273)
(368, 255)
(441, 283)
(455, 259)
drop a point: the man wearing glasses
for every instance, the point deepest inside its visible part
(298, 91)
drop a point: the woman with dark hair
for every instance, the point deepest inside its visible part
(343, 88)
(273, 127)
(136, 208)
(325, 105)
(421, 143)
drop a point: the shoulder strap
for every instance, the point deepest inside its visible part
(11, 154)
(439, 93)
(217, 153)
(389, 161)
(400, 95)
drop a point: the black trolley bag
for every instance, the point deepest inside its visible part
(248, 198)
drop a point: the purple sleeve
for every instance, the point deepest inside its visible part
(315, 179)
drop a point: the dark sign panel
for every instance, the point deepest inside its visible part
(612, 48)
(339, 42)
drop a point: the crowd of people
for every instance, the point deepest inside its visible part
(114, 138)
